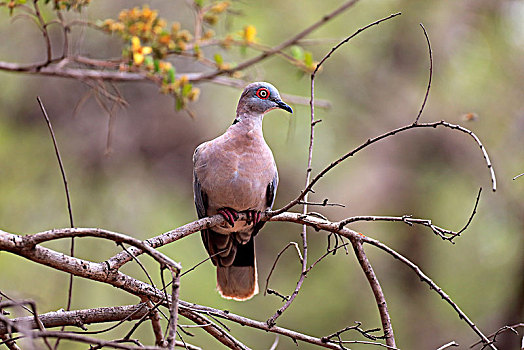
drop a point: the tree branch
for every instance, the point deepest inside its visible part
(377, 291)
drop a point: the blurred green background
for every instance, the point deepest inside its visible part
(375, 83)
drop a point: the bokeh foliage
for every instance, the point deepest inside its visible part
(375, 83)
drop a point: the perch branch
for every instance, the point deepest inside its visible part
(102, 273)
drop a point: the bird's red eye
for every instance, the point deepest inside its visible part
(263, 93)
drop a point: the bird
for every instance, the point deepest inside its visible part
(236, 173)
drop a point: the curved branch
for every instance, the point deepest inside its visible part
(351, 153)
(430, 76)
(101, 272)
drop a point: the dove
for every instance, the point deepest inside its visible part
(236, 173)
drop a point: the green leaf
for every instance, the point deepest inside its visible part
(179, 104)
(218, 59)
(297, 52)
(186, 89)
(308, 58)
(148, 60)
(156, 64)
(171, 74)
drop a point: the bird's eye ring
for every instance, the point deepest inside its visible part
(263, 93)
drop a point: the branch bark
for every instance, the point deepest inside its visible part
(377, 291)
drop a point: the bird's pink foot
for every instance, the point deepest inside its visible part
(229, 214)
(253, 216)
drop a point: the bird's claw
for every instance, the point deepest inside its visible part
(229, 214)
(253, 216)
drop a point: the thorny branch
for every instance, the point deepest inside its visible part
(445, 234)
(493, 336)
(28, 246)
(100, 273)
(371, 141)
(304, 198)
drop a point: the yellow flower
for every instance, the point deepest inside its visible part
(139, 52)
(147, 13)
(193, 94)
(250, 33)
(220, 7)
(164, 66)
(175, 27)
(134, 13)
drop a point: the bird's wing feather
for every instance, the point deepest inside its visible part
(199, 195)
(272, 190)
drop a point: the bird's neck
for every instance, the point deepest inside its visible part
(247, 125)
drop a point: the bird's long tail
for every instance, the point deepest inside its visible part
(239, 281)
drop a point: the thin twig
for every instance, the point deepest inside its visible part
(275, 344)
(201, 262)
(283, 45)
(278, 257)
(370, 141)
(324, 203)
(499, 331)
(43, 28)
(321, 224)
(430, 75)
(433, 286)
(323, 256)
(142, 267)
(271, 321)
(65, 33)
(60, 163)
(343, 42)
(448, 345)
(443, 233)
(367, 333)
(66, 188)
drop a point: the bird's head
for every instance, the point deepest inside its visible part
(259, 98)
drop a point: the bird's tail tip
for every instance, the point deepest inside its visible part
(237, 282)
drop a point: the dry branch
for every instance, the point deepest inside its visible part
(80, 318)
(100, 272)
(377, 291)
(28, 246)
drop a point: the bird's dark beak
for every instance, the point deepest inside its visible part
(282, 105)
